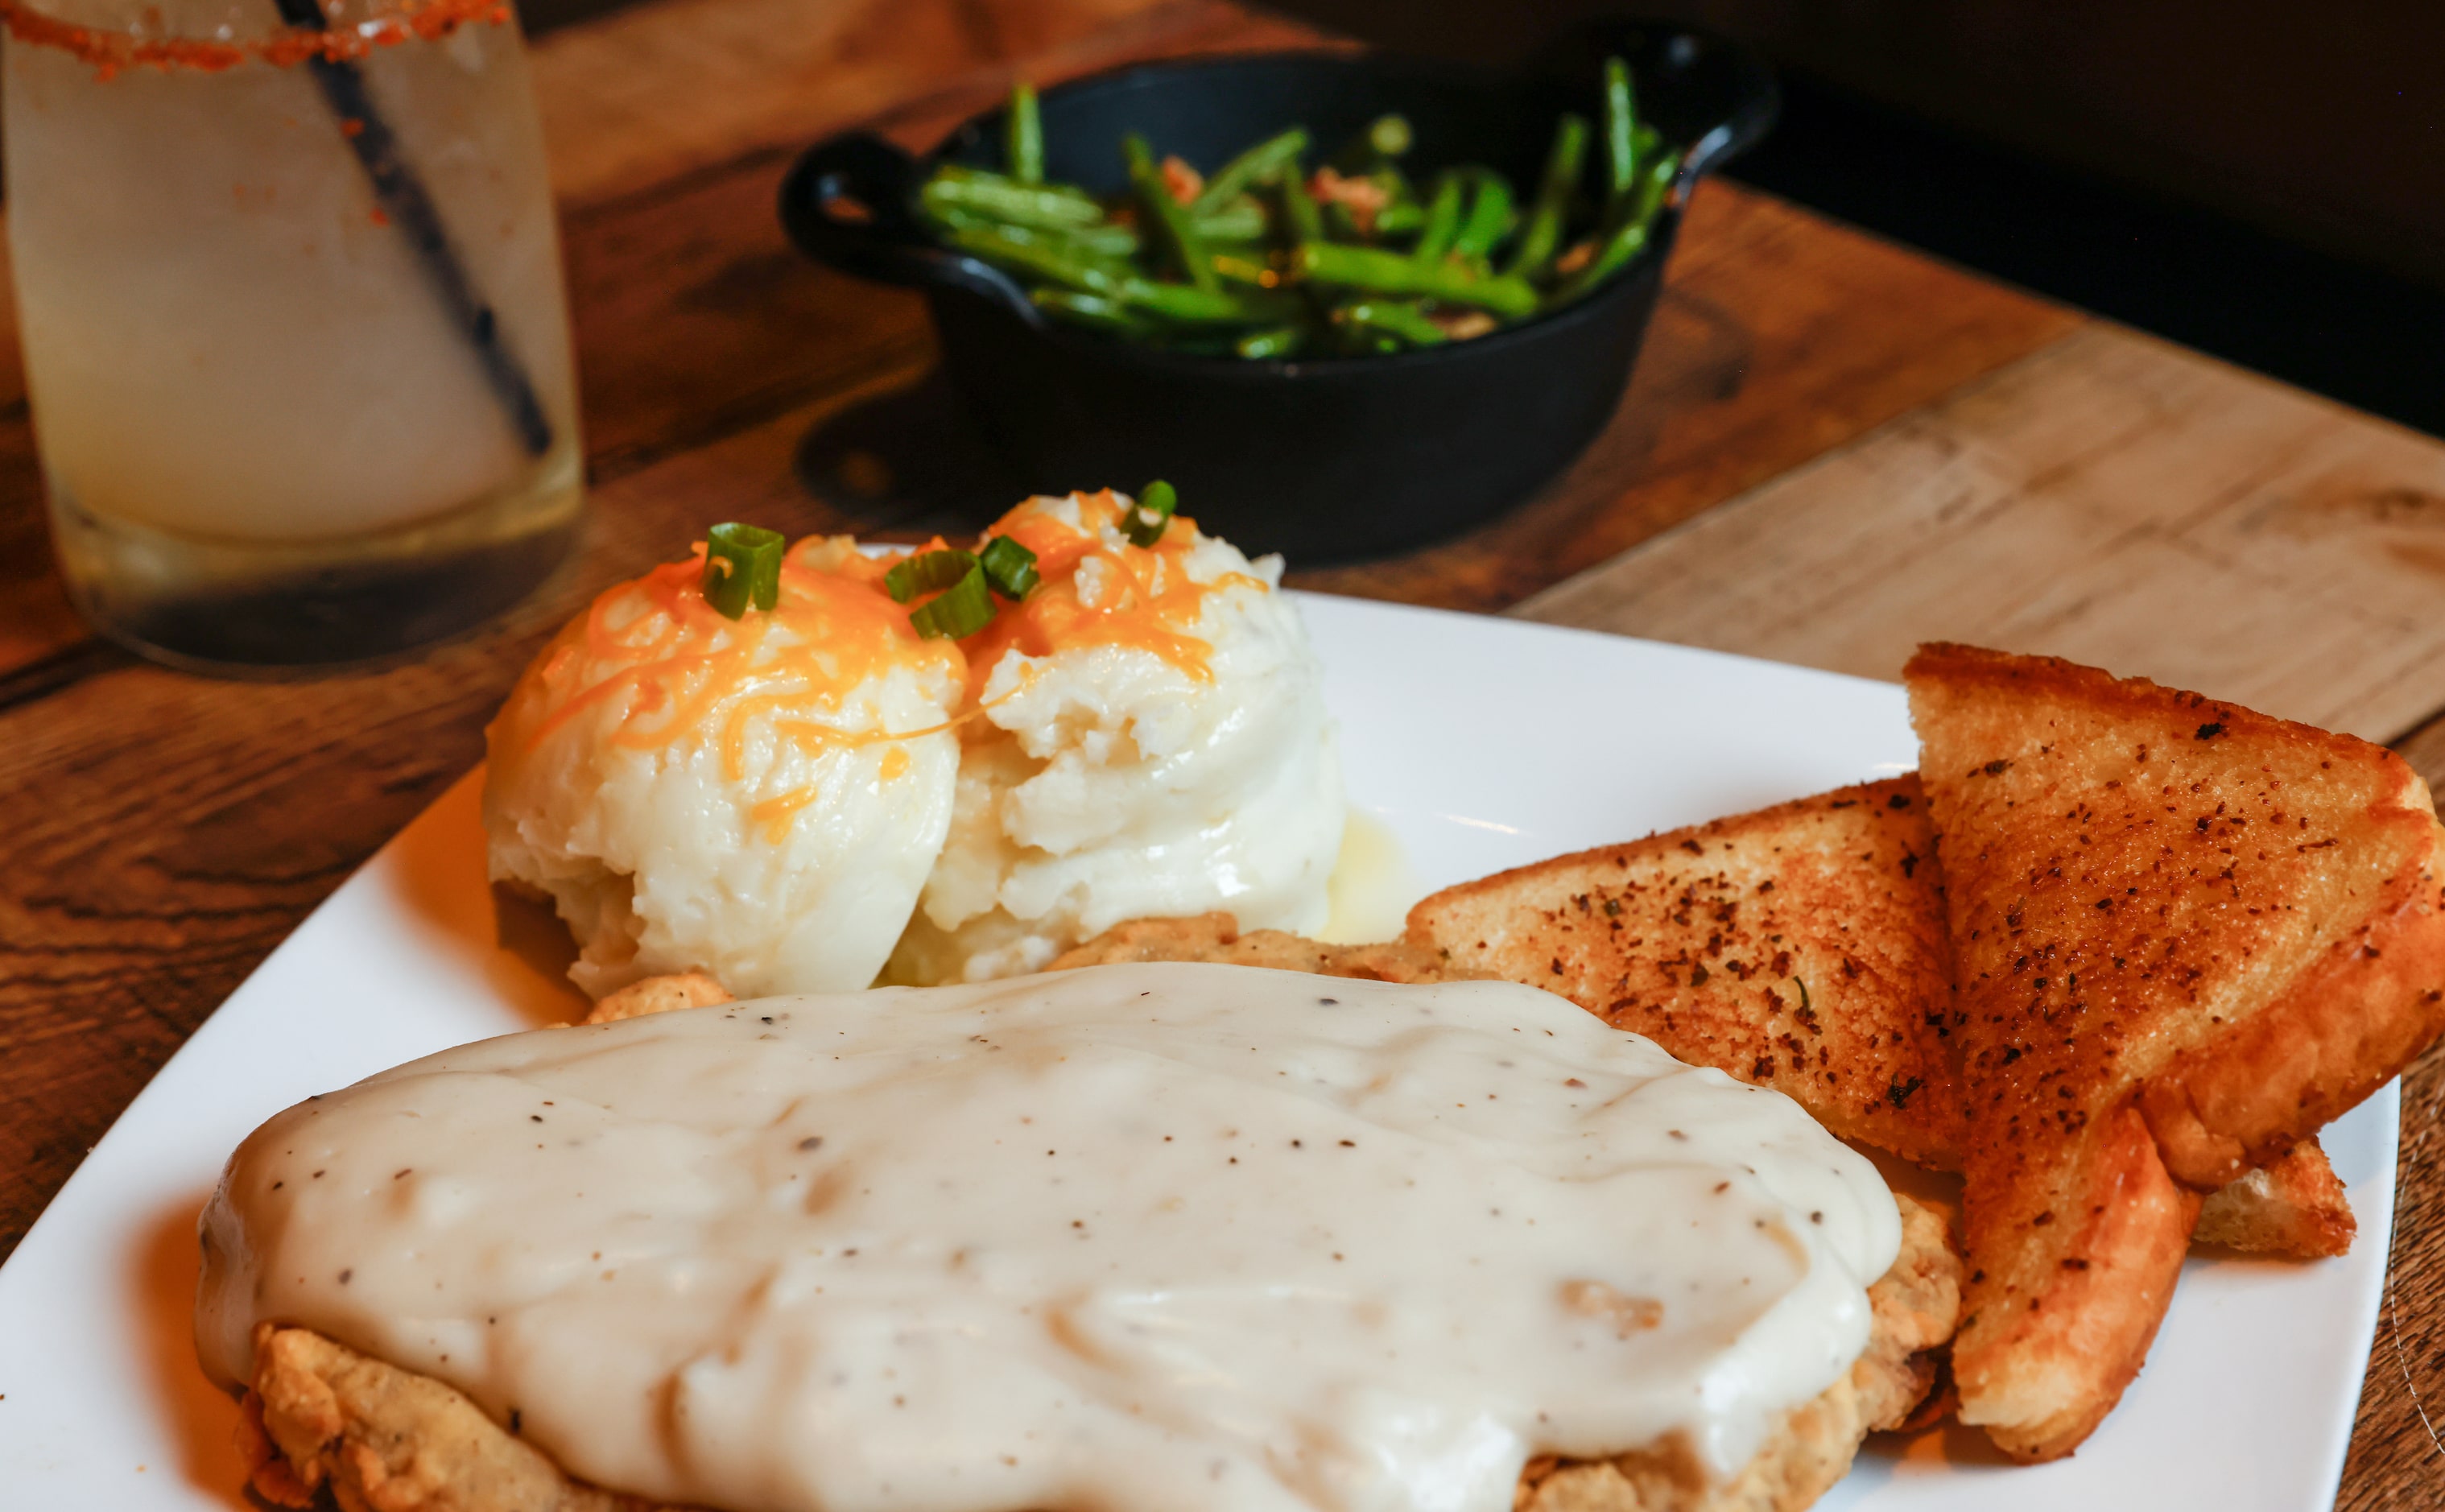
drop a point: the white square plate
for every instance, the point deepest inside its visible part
(1481, 743)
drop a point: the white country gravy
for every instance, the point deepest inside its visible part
(1178, 1237)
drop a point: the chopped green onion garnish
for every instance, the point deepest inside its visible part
(928, 573)
(967, 604)
(1145, 523)
(963, 609)
(742, 568)
(1010, 567)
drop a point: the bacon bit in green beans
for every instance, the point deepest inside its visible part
(742, 568)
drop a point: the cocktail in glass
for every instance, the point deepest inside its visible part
(296, 344)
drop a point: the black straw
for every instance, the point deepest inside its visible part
(403, 199)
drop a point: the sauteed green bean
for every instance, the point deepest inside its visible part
(1269, 259)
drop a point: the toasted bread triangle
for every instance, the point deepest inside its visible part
(1801, 947)
(2186, 936)
(1847, 886)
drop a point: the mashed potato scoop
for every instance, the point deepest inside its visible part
(791, 795)
(759, 797)
(1150, 741)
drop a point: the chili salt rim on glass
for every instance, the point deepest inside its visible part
(112, 51)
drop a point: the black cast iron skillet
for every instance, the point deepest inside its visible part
(1321, 459)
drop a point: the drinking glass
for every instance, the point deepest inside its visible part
(296, 346)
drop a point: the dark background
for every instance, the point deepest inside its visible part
(2263, 181)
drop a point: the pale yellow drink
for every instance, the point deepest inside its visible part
(267, 436)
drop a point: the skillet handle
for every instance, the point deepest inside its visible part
(850, 202)
(1756, 100)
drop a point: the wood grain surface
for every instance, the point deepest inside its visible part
(164, 832)
(2110, 498)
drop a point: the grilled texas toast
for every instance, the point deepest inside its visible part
(2294, 1208)
(2185, 936)
(1802, 948)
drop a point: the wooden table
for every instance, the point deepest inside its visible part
(1833, 448)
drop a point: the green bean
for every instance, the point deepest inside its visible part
(1166, 219)
(1239, 219)
(1026, 136)
(1107, 241)
(1490, 218)
(1625, 240)
(1191, 305)
(1092, 310)
(1387, 272)
(1255, 266)
(1110, 242)
(1050, 207)
(1037, 259)
(1620, 122)
(1393, 318)
(1257, 164)
(1442, 221)
(1274, 341)
(1300, 221)
(1534, 252)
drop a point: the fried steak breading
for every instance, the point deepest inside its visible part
(1802, 948)
(320, 1416)
(2186, 936)
(660, 994)
(381, 1439)
(1917, 1304)
(1216, 937)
